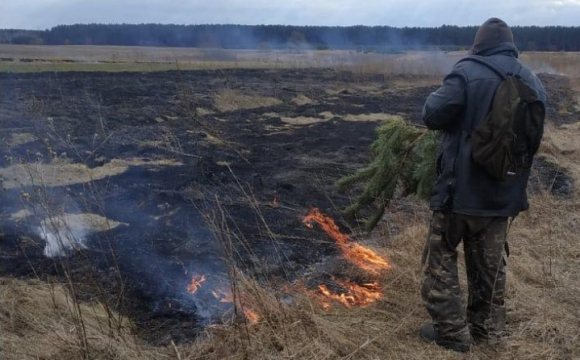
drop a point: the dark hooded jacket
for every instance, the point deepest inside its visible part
(457, 108)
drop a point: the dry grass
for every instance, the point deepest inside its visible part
(327, 116)
(302, 120)
(543, 302)
(232, 100)
(18, 139)
(61, 172)
(554, 62)
(42, 321)
(302, 100)
(119, 58)
(373, 117)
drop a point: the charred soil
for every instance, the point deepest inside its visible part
(194, 186)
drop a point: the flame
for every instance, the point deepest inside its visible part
(252, 316)
(243, 303)
(355, 295)
(223, 296)
(363, 257)
(195, 284)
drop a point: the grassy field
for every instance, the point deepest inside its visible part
(114, 58)
(40, 320)
(23, 58)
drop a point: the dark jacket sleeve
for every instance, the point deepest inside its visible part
(447, 104)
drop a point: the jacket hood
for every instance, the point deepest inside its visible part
(508, 49)
(492, 34)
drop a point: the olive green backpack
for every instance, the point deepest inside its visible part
(505, 143)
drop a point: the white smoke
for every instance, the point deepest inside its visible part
(68, 232)
(547, 69)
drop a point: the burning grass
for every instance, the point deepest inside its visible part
(195, 284)
(355, 295)
(544, 293)
(358, 255)
(370, 309)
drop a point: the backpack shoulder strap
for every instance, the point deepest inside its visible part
(483, 61)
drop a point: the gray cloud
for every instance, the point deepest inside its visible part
(40, 14)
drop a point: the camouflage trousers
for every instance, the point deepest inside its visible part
(484, 240)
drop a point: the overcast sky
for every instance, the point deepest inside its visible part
(41, 14)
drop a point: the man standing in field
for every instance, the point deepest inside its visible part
(471, 202)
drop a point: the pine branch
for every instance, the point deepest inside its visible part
(404, 156)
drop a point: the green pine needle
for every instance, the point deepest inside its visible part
(404, 157)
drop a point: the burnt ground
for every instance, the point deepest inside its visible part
(244, 180)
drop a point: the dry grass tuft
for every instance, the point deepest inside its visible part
(373, 117)
(61, 172)
(41, 321)
(203, 112)
(18, 139)
(302, 120)
(302, 100)
(562, 63)
(232, 100)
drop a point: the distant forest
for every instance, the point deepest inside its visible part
(376, 38)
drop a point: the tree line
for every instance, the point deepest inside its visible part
(528, 38)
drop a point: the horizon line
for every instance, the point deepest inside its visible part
(285, 25)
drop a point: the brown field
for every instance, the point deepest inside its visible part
(23, 58)
(153, 179)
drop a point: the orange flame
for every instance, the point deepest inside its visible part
(195, 284)
(355, 295)
(363, 257)
(223, 296)
(243, 304)
(252, 316)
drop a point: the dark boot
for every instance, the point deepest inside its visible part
(485, 339)
(429, 334)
